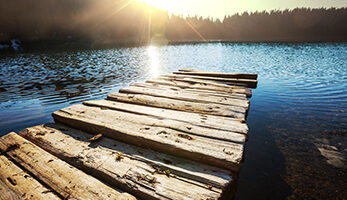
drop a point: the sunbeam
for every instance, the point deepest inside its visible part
(111, 14)
(149, 25)
(196, 31)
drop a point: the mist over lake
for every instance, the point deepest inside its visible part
(298, 122)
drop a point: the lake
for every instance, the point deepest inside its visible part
(297, 147)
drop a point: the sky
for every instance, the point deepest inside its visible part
(220, 8)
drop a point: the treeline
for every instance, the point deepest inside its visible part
(93, 23)
(298, 25)
(81, 22)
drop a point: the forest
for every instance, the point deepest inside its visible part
(92, 24)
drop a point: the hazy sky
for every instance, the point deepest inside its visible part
(220, 8)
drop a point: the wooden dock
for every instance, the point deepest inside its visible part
(178, 136)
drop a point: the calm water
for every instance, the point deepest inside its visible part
(298, 117)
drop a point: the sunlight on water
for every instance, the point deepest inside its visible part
(297, 143)
(154, 62)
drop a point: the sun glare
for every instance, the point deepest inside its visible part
(154, 64)
(164, 4)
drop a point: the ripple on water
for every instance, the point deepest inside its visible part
(299, 107)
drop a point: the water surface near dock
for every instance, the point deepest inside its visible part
(298, 124)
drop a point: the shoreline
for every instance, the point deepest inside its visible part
(87, 45)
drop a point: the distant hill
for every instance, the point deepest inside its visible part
(90, 23)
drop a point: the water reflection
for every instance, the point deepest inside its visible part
(298, 119)
(154, 62)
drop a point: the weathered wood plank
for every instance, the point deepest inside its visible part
(201, 85)
(202, 81)
(211, 78)
(217, 74)
(193, 91)
(96, 120)
(152, 121)
(173, 104)
(233, 81)
(136, 171)
(64, 179)
(191, 70)
(184, 96)
(209, 121)
(6, 193)
(197, 79)
(17, 184)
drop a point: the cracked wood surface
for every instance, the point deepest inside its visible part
(142, 172)
(196, 119)
(65, 180)
(174, 104)
(232, 81)
(201, 85)
(158, 122)
(179, 94)
(195, 91)
(98, 120)
(18, 184)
